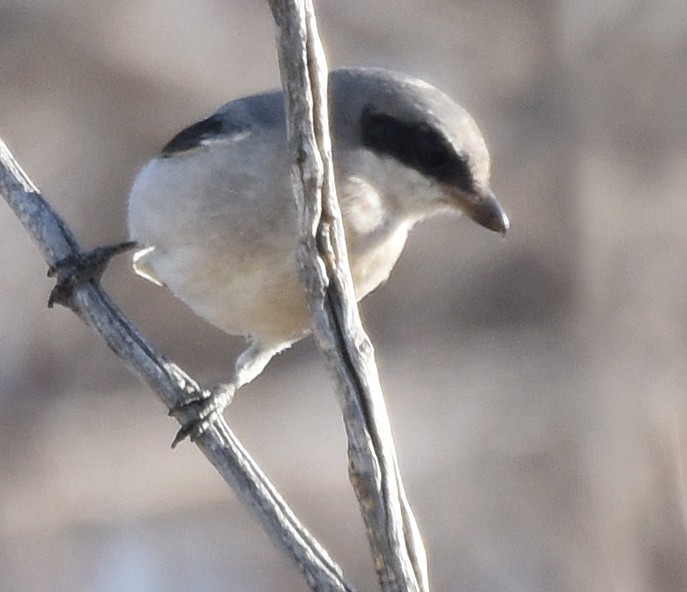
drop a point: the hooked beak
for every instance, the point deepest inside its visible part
(483, 207)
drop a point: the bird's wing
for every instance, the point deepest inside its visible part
(142, 266)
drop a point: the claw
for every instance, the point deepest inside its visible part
(206, 407)
(77, 269)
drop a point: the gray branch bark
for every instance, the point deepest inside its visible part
(398, 552)
(90, 303)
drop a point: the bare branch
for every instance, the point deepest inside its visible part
(398, 551)
(90, 302)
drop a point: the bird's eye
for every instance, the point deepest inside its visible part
(417, 145)
(432, 152)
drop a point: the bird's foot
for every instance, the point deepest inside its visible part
(205, 408)
(75, 270)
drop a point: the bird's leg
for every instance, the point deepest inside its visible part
(249, 366)
(75, 270)
(211, 403)
(252, 362)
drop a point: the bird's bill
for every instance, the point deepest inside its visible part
(483, 207)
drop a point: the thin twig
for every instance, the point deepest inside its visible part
(398, 551)
(90, 303)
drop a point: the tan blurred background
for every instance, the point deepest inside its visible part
(536, 385)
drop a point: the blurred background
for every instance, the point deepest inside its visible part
(536, 384)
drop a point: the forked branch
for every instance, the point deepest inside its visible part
(398, 553)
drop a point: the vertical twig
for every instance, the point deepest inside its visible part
(398, 551)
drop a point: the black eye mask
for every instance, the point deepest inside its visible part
(416, 145)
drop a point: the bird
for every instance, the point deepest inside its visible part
(214, 220)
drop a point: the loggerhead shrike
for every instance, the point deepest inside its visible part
(216, 223)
